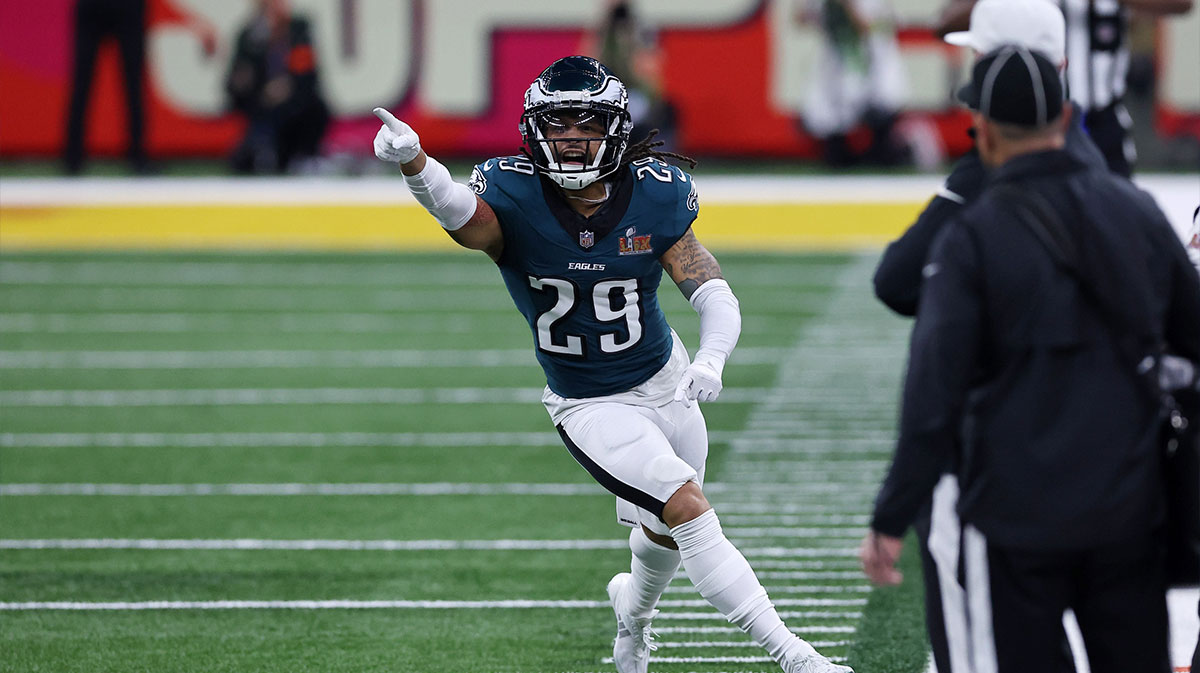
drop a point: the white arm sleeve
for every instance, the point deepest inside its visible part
(451, 203)
(720, 322)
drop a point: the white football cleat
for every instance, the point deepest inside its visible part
(635, 640)
(814, 663)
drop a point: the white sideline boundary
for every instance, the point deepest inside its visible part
(1176, 194)
(380, 190)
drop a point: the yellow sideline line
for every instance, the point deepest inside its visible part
(757, 227)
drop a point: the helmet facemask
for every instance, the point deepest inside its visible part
(576, 123)
(575, 146)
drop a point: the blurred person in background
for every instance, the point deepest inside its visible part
(95, 21)
(1097, 64)
(273, 81)
(857, 79)
(1194, 241)
(630, 50)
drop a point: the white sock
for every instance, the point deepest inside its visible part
(653, 567)
(725, 579)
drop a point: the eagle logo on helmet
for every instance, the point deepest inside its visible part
(584, 87)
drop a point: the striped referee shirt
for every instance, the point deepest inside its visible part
(1097, 51)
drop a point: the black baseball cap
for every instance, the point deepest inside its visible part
(1016, 86)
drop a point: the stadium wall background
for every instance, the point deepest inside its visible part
(736, 69)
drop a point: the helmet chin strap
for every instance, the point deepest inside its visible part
(602, 199)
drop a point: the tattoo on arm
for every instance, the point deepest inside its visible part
(690, 264)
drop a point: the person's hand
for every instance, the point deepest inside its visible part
(1176, 373)
(277, 91)
(396, 141)
(879, 554)
(701, 381)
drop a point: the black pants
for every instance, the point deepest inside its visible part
(95, 20)
(935, 621)
(278, 136)
(1109, 128)
(1118, 593)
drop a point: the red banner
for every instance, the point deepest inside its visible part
(719, 76)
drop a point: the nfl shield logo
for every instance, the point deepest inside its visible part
(587, 239)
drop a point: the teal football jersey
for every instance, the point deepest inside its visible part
(589, 286)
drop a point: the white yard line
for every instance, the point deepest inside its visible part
(714, 660)
(733, 629)
(258, 544)
(88, 440)
(225, 322)
(288, 359)
(272, 322)
(252, 544)
(175, 397)
(224, 273)
(343, 604)
(300, 605)
(704, 644)
(300, 489)
(804, 615)
(351, 489)
(773, 589)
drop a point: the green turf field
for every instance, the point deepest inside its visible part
(339, 463)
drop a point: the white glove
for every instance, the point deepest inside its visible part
(396, 141)
(700, 381)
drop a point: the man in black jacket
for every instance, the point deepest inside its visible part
(1037, 25)
(1025, 363)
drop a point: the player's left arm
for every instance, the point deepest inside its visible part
(696, 272)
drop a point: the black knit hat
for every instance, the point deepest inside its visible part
(1017, 86)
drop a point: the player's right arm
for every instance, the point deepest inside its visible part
(468, 219)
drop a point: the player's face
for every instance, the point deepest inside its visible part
(574, 135)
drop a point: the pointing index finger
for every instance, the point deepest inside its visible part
(389, 119)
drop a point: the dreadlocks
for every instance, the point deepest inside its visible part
(646, 148)
(642, 149)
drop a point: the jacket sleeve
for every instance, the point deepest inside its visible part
(943, 354)
(898, 277)
(1183, 312)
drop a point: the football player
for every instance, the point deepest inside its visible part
(582, 227)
